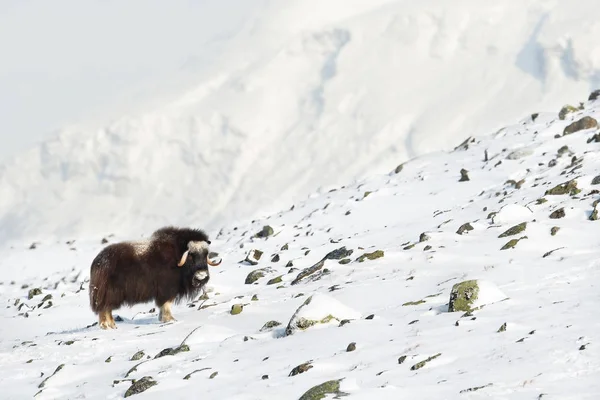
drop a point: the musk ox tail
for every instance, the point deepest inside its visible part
(98, 287)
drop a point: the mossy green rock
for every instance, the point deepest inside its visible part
(569, 187)
(300, 369)
(512, 243)
(413, 303)
(137, 356)
(141, 385)
(371, 256)
(568, 109)
(515, 230)
(345, 261)
(421, 364)
(256, 275)
(463, 295)
(236, 309)
(554, 230)
(275, 280)
(581, 124)
(320, 391)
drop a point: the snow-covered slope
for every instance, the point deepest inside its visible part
(298, 95)
(385, 328)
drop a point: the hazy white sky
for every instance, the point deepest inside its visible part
(70, 60)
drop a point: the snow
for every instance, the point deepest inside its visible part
(207, 113)
(548, 350)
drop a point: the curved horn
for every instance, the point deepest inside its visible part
(183, 258)
(213, 263)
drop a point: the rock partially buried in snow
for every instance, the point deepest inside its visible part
(580, 125)
(319, 309)
(141, 385)
(256, 275)
(253, 257)
(473, 294)
(321, 391)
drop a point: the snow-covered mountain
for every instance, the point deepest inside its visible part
(516, 212)
(293, 96)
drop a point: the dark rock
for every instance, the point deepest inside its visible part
(502, 328)
(560, 213)
(300, 369)
(423, 237)
(265, 377)
(371, 316)
(594, 95)
(351, 347)
(140, 385)
(173, 351)
(464, 176)
(581, 124)
(401, 359)
(464, 228)
(275, 280)
(421, 364)
(34, 292)
(213, 375)
(554, 230)
(398, 169)
(275, 258)
(270, 325)
(104, 241)
(256, 275)
(345, 261)
(265, 232)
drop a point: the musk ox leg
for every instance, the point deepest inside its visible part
(106, 320)
(165, 312)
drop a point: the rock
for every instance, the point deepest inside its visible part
(137, 356)
(371, 256)
(256, 275)
(321, 391)
(398, 169)
(515, 230)
(596, 180)
(512, 243)
(351, 347)
(534, 116)
(502, 328)
(300, 369)
(290, 264)
(270, 325)
(104, 241)
(254, 298)
(172, 351)
(265, 232)
(428, 247)
(421, 364)
(594, 215)
(594, 95)
(47, 297)
(464, 228)
(33, 246)
(581, 124)
(319, 309)
(337, 254)
(285, 247)
(213, 375)
(109, 359)
(413, 303)
(569, 187)
(568, 109)
(401, 359)
(253, 256)
(554, 230)
(275, 280)
(236, 309)
(140, 385)
(468, 296)
(345, 261)
(423, 237)
(560, 213)
(464, 177)
(34, 292)
(366, 194)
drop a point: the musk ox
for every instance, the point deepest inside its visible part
(168, 267)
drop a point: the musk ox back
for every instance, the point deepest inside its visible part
(168, 267)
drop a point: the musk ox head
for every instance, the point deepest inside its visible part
(195, 261)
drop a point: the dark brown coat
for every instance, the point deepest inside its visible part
(130, 273)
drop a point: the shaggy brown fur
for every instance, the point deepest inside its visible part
(130, 273)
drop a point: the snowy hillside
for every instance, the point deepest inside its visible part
(515, 211)
(281, 99)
